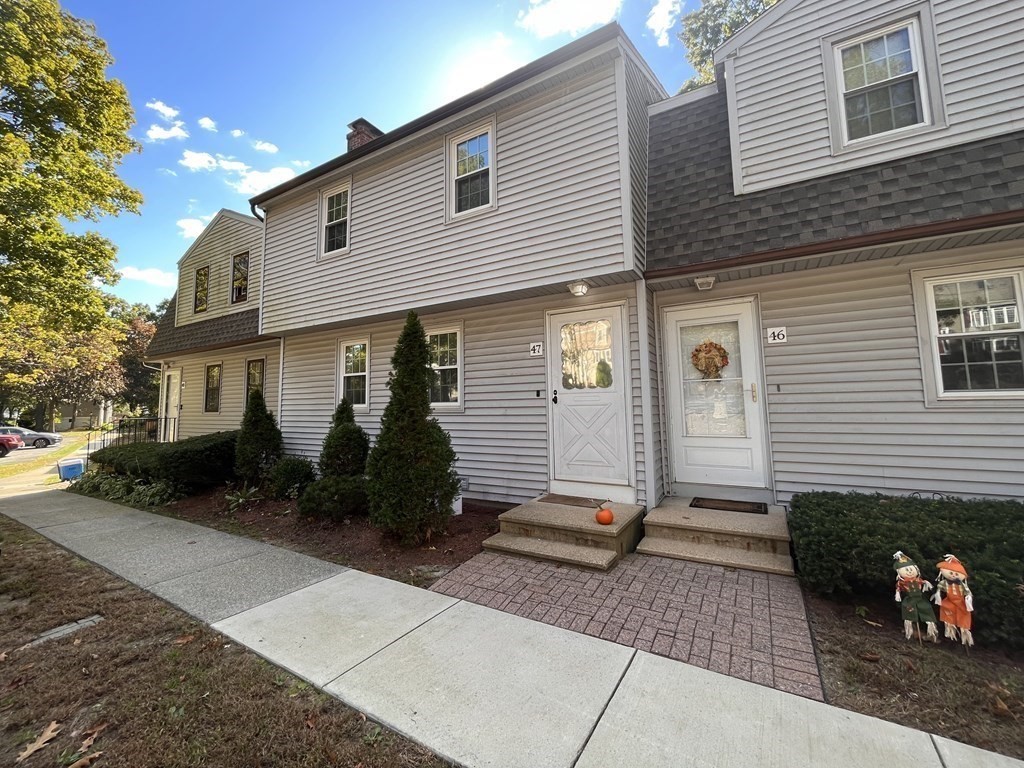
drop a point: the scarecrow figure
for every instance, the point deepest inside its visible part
(954, 599)
(910, 589)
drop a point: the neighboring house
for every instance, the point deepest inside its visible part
(854, 183)
(88, 413)
(208, 343)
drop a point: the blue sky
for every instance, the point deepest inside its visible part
(232, 98)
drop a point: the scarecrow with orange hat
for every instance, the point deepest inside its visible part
(953, 596)
(910, 589)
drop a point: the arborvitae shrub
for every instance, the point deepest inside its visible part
(345, 446)
(291, 476)
(334, 498)
(259, 442)
(410, 471)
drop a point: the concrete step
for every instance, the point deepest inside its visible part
(676, 519)
(575, 525)
(730, 557)
(545, 549)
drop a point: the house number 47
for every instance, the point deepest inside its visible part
(777, 335)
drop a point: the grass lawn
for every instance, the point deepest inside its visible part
(47, 456)
(170, 692)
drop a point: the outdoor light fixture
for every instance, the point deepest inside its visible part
(705, 283)
(578, 288)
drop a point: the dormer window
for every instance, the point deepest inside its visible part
(201, 290)
(239, 278)
(334, 217)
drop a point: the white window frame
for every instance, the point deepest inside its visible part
(245, 379)
(195, 290)
(339, 391)
(457, 329)
(206, 381)
(929, 81)
(248, 273)
(452, 141)
(924, 298)
(325, 195)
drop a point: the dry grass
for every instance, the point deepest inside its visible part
(174, 692)
(975, 697)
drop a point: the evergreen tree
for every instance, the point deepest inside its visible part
(410, 471)
(259, 442)
(345, 446)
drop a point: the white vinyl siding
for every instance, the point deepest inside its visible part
(639, 94)
(500, 435)
(778, 87)
(846, 396)
(224, 238)
(558, 180)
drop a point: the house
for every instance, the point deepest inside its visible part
(808, 275)
(208, 343)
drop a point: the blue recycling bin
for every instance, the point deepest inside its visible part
(69, 469)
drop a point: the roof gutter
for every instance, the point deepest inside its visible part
(950, 227)
(252, 207)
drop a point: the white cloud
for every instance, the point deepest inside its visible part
(208, 124)
(251, 182)
(151, 275)
(264, 146)
(236, 132)
(159, 133)
(192, 228)
(301, 163)
(477, 64)
(230, 164)
(197, 161)
(663, 16)
(546, 18)
(166, 172)
(166, 112)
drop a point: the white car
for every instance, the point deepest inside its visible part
(38, 439)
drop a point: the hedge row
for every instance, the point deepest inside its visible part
(191, 464)
(844, 544)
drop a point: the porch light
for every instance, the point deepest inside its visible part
(578, 288)
(705, 283)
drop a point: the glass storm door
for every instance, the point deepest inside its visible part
(589, 440)
(172, 401)
(716, 408)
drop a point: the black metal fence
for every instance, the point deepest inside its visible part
(142, 429)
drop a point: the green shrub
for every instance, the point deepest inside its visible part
(345, 446)
(411, 478)
(192, 464)
(130, 490)
(335, 498)
(291, 476)
(259, 442)
(844, 545)
(240, 499)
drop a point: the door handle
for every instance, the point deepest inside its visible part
(554, 396)
(753, 391)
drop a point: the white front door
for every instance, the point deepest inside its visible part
(172, 402)
(587, 375)
(716, 417)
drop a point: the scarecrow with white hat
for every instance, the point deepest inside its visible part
(910, 589)
(953, 596)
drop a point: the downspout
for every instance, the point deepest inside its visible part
(252, 207)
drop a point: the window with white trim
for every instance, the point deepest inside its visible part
(255, 371)
(976, 333)
(446, 360)
(240, 278)
(334, 218)
(880, 77)
(211, 388)
(201, 290)
(354, 373)
(471, 171)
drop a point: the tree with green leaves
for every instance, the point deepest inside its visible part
(711, 25)
(63, 132)
(411, 476)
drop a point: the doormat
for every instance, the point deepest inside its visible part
(728, 505)
(571, 501)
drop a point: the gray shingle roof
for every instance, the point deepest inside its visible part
(223, 331)
(694, 217)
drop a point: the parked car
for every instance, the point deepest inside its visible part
(10, 443)
(29, 437)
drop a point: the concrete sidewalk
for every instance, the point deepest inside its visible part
(477, 686)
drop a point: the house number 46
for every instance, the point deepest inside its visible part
(777, 335)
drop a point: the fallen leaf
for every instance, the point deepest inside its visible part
(362, 717)
(999, 689)
(78, 641)
(91, 735)
(3, 656)
(870, 656)
(44, 738)
(311, 722)
(872, 623)
(184, 639)
(910, 664)
(1000, 708)
(86, 761)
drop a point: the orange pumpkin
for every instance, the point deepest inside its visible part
(604, 516)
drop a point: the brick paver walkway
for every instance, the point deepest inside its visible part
(742, 623)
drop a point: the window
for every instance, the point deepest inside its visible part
(445, 356)
(471, 170)
(354, 373)
(202, 289)
(334, 220)
(239, 278)
(976, 333)
(211, 396)
(254, 372)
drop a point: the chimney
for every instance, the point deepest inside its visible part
(363, 132)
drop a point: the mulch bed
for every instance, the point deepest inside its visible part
(354, 542)
(976, 697)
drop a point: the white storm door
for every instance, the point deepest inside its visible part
(589, 440)
(172, 401)
(717, 423)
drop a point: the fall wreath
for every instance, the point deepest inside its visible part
(709, 358)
